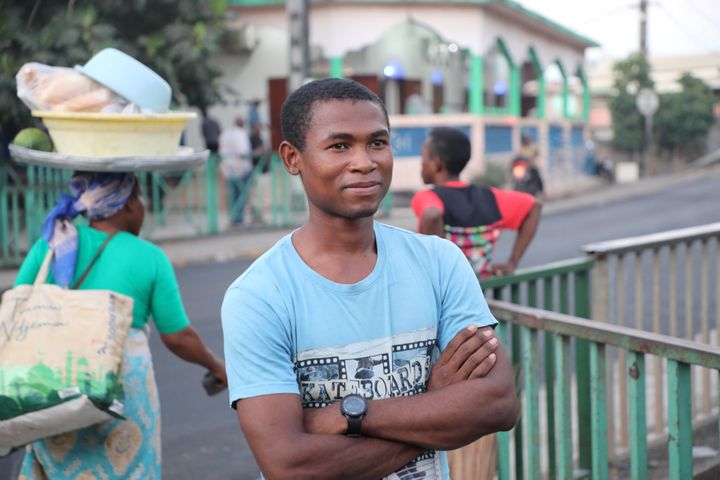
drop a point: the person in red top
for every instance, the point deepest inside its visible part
(471, 216)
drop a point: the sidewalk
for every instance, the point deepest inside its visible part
(252, 243)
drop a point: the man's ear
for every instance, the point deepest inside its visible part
(437, 164)
(291, 157)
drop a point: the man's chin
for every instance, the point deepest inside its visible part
(363, 213)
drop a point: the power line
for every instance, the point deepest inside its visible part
(687, 32)
(607, 13)
(703, 14)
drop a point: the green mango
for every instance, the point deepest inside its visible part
(35, 139)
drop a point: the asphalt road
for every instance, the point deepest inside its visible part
(201, 436)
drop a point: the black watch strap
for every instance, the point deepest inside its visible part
(354, 428)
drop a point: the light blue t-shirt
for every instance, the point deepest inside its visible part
(288, 329)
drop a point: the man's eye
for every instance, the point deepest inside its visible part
(339, 146)
(379, 143)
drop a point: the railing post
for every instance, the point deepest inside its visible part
(531, 414)
(211, 194)
(583, 299)
(503, 438)
(563, 419)
(517, 366)
(679, 420)
(637, 420)
(598, 415)
(4, 217)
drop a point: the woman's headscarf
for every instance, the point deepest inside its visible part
(97, 196)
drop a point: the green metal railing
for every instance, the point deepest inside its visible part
(563, 332)
(180, 204)
(26, 195)
(665, 283)
(185, 203)
(560, 287)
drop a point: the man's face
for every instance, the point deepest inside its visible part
(428, 165)
(346, 166)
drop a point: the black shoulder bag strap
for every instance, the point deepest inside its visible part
(97, 255)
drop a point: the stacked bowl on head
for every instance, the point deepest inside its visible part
(110, 114)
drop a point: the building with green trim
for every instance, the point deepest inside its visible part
(491, 67)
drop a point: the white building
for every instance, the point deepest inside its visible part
(480, 65)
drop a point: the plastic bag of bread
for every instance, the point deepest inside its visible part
(60, 89)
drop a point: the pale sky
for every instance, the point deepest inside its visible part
(675, 27)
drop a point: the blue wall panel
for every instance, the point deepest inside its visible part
(498, 139)
(408, 141)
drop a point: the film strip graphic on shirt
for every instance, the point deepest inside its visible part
(403, 372)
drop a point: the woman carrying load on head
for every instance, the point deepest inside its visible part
(131, 266)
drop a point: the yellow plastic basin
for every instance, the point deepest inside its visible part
(113, 134)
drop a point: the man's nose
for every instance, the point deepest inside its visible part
(363, 162)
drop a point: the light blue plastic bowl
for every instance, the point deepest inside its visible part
(129, 78)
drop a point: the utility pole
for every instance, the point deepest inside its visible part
(299, 52)
(643, 29)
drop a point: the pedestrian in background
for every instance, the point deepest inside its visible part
(129, 447)
(524, 170)
(471, 216)
(210, 131)
(236, 166)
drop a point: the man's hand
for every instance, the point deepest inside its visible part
(471, 354)
(500, 269)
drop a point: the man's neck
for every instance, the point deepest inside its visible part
(341, 250)
(443, 177)
(338, 235)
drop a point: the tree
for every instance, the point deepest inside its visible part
(684, 118)
(628, 125)
(176, 38)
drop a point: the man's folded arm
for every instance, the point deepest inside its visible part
(442, 419)
(450, 417)
(273, 427)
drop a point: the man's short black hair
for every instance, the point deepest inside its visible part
(451, 146)
(296, 113)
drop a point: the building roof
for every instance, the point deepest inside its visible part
(508, 7)
(665, 71)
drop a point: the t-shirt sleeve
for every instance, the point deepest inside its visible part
(462, 299)
(31, 265)
(426, 199)
(513, 206)
(258, 347)
(166, 305)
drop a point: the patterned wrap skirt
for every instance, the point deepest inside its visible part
(115, 449)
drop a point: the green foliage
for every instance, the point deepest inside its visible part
(176, 38)
(628, 125)
(684, 118)
(494, 176)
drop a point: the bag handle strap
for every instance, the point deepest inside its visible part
(92, 262)
(44, 269)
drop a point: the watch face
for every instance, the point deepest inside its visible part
(353, 405)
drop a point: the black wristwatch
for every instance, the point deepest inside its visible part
(354, 407)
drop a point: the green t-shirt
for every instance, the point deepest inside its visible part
(129, 265)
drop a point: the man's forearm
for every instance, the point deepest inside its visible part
(321, 456)
(442, 419)
(525, 234)
(449, 417)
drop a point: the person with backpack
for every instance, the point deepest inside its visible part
(471, 216)
(524, 172)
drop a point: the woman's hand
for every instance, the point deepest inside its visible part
(219, 374)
